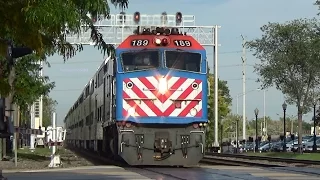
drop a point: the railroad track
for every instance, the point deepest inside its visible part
(209, 159)
(232, 162)
(265, 158)
(100, 160)
(278, 164)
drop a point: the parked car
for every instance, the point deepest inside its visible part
(305, 140)
(249, 146)
(309, 146)
(266, 147)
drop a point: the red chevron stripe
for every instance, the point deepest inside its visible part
(134, 105)
(185, 94)
(172, 89)
(199, 114)
(150, 104)
(191, 105)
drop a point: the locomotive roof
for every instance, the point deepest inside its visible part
(149, 42)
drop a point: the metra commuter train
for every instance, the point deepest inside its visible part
(148, 106)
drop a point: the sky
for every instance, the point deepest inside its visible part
(235, 17)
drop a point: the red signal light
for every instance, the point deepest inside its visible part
(161, 41)
(178, 17)
(94, 18)
(164, 41)
(136, 17)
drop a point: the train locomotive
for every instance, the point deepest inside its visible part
(148, 105)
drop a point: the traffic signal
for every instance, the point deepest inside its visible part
(136, 17)
(269, 137)
(123, 17)
(281, 137)
(259, 138)
(250, 139)
(16, 52)
(292, 137)
(94, 18)
(178, 17)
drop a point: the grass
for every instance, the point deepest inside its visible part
(305, 156)
(39, 154)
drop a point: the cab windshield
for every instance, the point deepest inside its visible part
(183, 60)
(140, 60)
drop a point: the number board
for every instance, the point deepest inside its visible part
(182, 43)
(139, 42)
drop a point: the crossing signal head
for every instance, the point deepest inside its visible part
(164, 18)
(136, 17)
(94, 18)
(122, 17)
(178, 17)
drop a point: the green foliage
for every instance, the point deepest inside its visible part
(229, 125)
(29, 85)
(42, 25)
(224, 101)
(290, 59)
(49, 106)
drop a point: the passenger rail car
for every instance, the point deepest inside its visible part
(148, 106)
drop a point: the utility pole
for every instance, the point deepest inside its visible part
(264, 113)
(237, 104)
(244, 59)
(216, 115)
(32, 126)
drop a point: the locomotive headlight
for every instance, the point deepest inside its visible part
(131, 111)
(193, 112)
(163, 85)
(158, 41)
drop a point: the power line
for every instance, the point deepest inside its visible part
(237, 79)
(66, 90)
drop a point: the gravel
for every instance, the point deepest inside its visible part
(34, 161)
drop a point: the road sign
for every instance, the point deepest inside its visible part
(27, 131)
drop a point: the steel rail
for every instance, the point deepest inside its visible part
(266, 158)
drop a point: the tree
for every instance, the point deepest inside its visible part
(224, 101)
(42, 26)
(49, 106)
(290, 61)
(29, 85)
(229, 125)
